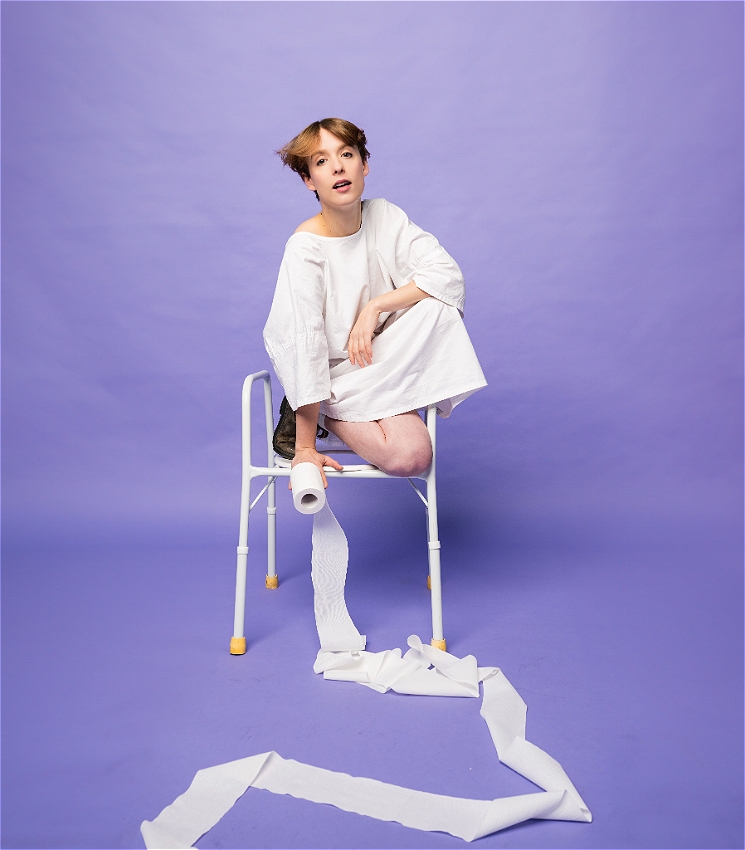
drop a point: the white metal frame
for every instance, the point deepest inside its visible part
(277, 467)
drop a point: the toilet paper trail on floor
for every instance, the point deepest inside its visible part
(422, 670)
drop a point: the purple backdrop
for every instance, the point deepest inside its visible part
(583, 163)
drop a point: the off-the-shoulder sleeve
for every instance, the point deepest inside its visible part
(418, 256)
(294, 334)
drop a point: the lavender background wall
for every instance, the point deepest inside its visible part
(583, 163)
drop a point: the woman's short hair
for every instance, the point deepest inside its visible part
(296, 152)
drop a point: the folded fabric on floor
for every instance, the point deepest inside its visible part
(422, 670)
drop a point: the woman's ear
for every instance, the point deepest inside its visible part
(309, 183)
(365, 169)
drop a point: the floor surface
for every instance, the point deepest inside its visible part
(625, 641)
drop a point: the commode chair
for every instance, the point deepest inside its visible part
(277, 467)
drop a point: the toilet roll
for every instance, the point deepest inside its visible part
(308, 494)
(422, 670)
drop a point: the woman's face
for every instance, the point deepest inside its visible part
(337, 171)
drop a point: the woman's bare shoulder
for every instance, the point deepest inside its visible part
(312, 225)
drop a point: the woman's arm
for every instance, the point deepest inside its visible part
(359, 347)
(294, 335)
(306, 423)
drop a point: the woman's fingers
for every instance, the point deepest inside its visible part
(318, 460)
(334, 464)
(368, 346)
(360, 350)
(359, 345)
(327, 461)
(353, 349)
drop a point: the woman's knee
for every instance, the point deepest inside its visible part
(409, 459)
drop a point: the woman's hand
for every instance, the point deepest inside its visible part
(310, 455)
(306, 423)
(359, 345)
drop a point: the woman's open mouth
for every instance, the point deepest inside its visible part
(342, 184)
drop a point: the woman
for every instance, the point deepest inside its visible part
(366, 323)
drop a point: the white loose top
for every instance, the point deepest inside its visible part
(324, 282)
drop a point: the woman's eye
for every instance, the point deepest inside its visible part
(320, 161)
(347, 153)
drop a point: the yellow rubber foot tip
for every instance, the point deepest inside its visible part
(439, 644)
(429, 582)
(237, 646)
(272, 582)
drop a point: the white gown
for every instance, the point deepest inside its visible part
(421, 355)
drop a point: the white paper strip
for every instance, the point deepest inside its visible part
(422, 670)
(467, 819)
(336, 631)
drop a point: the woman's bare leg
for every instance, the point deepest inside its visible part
(399, 445)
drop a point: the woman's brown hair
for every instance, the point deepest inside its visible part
(296, 152)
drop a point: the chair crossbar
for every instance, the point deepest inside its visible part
(419, 493)
(263, 490)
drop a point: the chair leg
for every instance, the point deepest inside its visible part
(238, 641)
(433, 579)
(429, 576)
(271, 581)
(438, 639)
(433, 540)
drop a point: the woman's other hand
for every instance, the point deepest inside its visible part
(359, 345)
(309, 455)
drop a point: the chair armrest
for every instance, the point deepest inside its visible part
(246, 417)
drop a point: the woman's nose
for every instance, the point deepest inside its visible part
(339, 167)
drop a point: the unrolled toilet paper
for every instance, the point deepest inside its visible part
(336, 631)
(422, 670)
